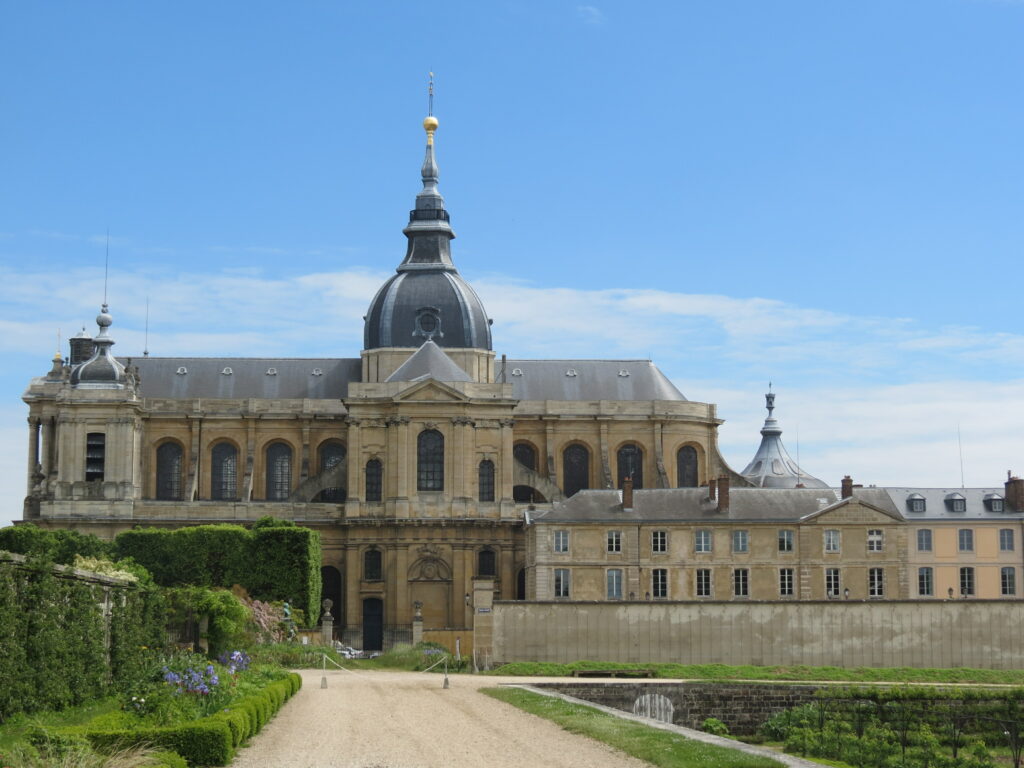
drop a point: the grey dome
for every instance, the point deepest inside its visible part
(427, 304)
(427, 298)
(772, 466)
(101, 370)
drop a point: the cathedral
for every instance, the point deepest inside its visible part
(427, 463)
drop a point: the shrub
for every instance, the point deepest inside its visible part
(276, 560)
(168, 760)
(58, 546)
(52, 633)
(714, 726)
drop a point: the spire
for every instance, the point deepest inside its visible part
(429, 232)
(772, 466)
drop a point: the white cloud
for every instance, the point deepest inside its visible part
(590, 14)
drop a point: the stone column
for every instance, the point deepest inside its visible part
(483, 621)
(33, 452)
(505, 461)
(327, 623)
(606, 471)
(304, 466)
(356, 462)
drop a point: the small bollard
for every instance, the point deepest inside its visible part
(445, 685)
(323, 681)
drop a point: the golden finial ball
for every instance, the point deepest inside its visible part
(430, 123)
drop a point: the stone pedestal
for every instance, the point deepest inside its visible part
(327, 630)
(417, 631)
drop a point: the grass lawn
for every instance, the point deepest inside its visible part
(661, 748)
(13, 729)
(779, 674)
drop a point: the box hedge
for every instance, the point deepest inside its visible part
(211, 740)
(275, 560)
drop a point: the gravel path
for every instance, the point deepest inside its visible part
(406, 720)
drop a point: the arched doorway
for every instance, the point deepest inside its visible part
(331, 590)
(373, 624)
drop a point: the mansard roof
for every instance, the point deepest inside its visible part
(588, 380)
(693, 505)
(297, 378)
(228, 378)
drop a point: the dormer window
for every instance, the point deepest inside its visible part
(571, 372)
(956, 503)
(182, 370)
(318, 372)
(517, 371)
(271, 371)
(994, 502)
(916, 502)
(226, 372)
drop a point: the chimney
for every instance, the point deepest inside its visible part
(1014, 493)
(712, 485)
(847, 491)
(627, 493)
(723, 493)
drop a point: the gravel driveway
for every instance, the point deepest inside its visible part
(407, 720)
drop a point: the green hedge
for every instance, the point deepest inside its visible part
(211, 740)
(53, 637)
(58, 546)
(276, 560)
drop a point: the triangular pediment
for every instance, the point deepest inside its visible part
(851, 511)
(431, 391)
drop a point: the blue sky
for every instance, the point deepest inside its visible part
(825, 195)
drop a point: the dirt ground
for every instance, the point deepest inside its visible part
(407, 720)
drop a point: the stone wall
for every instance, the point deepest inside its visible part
(986, 634)
(741, 706)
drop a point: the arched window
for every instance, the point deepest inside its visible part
(575, 469)
(526, 455)
(630, 459)
(430, 461)
(486, 480)
(374, 480)
(224, 472)
(332, 453)
(486, 563)
(686, 467)
(373, 565)
(168, 472)
(279, 472)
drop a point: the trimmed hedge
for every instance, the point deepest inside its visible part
(276, 560)
(210, 740)
(58, 546)
(52, 633)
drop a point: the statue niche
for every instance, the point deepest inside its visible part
(430, 583)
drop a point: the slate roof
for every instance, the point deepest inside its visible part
(204, 377)
(936, 507)
(540, 379)
(588, 380)
(429, 362)
(693, 504)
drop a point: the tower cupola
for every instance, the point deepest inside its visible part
(427, 298)
(772, 466)
(101, 370)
